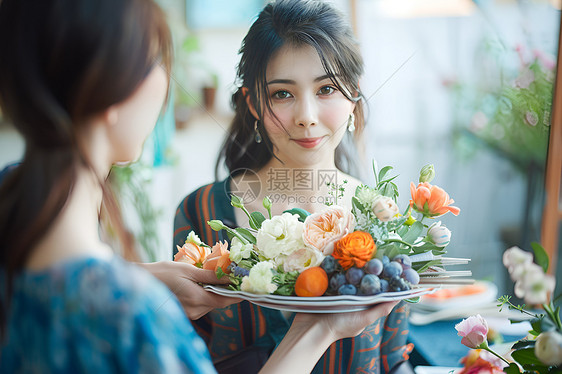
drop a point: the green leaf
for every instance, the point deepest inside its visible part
(523, 344)
(220, 273)
(246, 234)
(413, 300)
(258, 219)
(298, 211)
(424, 265)
(541, 258)
(526, 356)
(383, 172)
(512, 369)
(414, 232)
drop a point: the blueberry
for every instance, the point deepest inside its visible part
(411, 276)
(241, 272)
(354, 276)
(398, 284)
(347, 289)
(373, 266)
(384, 285)
(392, 269)
(385, 260)
(370, 285)
(329, 265)
(336, 281)
(403, 260)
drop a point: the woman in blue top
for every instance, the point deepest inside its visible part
(84, 81)
(298, 114)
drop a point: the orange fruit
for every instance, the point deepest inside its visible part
(311, 282)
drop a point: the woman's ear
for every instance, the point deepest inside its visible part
(251, 108)
(111, 116)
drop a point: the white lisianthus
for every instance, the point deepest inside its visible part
(367, 196)
(280, 236)
(516, 261)
(548, 348)
(260, 280)
(534, 286)
(239, 250)
(302, 259)
(385, 208)
(193, 238)
(439, 235)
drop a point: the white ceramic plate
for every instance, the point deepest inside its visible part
(487, 296)
(322, 304)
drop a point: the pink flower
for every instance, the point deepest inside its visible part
(219, 257)
(322, 230)
(473, 330)
(478, 361)
(525, 79)
(531, 118)
(192, 254)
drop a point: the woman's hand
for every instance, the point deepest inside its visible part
(182, 279)
(345, 325)
(311, 334)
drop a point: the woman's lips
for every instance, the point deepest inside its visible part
(308, 142)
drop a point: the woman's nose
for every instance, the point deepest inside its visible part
(307, 112)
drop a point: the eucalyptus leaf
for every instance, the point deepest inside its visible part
(413, 233)
(383, 172)
(246, 234)
(298, 211)
(258, 219)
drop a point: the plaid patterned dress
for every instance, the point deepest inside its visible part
(243, 329)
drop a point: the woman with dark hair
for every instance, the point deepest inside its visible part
(298, 116)
(84, 81)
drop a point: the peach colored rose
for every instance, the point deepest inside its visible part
(479, 361)
(322, 230)
(354, 249)
(219, 257)
(385, 208)
(192, 254)
(431, 200)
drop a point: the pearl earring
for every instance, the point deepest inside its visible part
(351, 123)
(258, 135)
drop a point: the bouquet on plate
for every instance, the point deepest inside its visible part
(366, 250)
(541, 350)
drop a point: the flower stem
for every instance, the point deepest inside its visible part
(495, 354)
(398, 241)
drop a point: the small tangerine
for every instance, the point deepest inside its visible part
(311, 282)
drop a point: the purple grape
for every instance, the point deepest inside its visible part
(385, 260)
(384, 285)
(347, 289)
(336, 281)
(398, 284)
(403, 260)
(329, 265)
(411, 276)
(393, 269)
(354, 276)
(373, 266)
(370, 285)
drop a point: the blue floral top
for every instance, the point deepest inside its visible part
(97, 316)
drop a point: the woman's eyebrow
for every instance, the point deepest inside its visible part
(290, 81)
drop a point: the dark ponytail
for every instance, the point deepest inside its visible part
(63, 62)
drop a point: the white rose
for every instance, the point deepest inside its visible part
(534, 286)
(548, 348)
(385, 208)
(239, 250)
(439, 235)
(260, 280)
(302, 259)
(280, 235)
(516, 260)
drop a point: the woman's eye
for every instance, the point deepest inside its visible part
(281, 95)
(326, 90)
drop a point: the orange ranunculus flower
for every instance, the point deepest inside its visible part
(478, 361)
(192, 254)
(431, 201)
(219, 257)
(354, 249)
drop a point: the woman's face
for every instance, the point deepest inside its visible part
(313, 114)
(137, 116)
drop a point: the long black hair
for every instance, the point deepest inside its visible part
(64, 61)
(296, 23)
